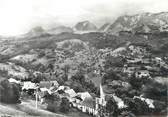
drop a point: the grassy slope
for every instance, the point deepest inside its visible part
(26, 108)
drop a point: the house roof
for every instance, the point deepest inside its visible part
(48, 84)
(89, 102)
(147, 100)
(13, 80)
(119, 101)
(84, 95)
(29, 85)
(71, 92)
(45, 84)
(63, 88)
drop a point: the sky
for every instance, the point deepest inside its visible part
(19, 16)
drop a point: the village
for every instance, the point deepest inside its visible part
(52, 94)
(83, 101)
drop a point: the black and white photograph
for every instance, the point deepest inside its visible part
(83, 58)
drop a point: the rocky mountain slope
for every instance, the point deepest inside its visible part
(145, 23)
(104, 27)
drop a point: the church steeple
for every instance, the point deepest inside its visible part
(100, 102)
(102, 95)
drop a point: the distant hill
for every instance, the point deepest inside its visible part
(60, 29)
(85, 26)
(73, 44)
(36, 31)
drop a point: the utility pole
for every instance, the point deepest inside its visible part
(36, 98)
(37, 95)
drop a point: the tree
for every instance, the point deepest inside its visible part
(135, 82)
(65, 105)
(4, 73)
(51, 67)
(36, 80)
(155, 90)
(9, 92)
(110, 75)
(77, 87)
(78, 77)
(112, 108)
(53, 102)
(114, 62)
(66, 69)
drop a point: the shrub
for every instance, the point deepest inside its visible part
(53, 102)
(65, 105)
(9, 92)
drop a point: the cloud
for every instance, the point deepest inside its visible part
(18, 16)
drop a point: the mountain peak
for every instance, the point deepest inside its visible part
(37, 29)
(85, 26)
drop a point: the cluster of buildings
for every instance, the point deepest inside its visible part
(144, 67)
(83, 101)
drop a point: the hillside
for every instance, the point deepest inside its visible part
(26, 108)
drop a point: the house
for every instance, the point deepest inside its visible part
(146, 61)
(134, 61)
(36, 73)
(119, 102)
(84, 95)
(158, 59)
(125, 33)
(47, 87)
(12, 80)
(45, 90)
(71, 92)
(142, 73)
(48, 84)
(63, 88)
(88, 106)
(29, 87)
(129, 70)
(148, 101)
(42, 94)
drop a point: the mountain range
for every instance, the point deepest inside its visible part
(145, 23)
